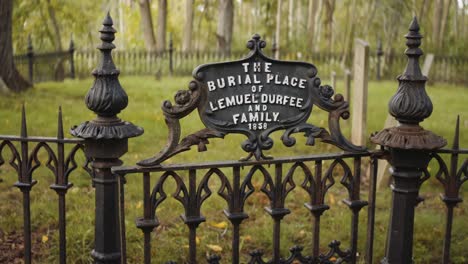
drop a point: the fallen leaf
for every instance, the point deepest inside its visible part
(247, 238)
(331, 199)
(139, 204)
(45, 239)
(302, 233)
(220, 225)
(215, 248)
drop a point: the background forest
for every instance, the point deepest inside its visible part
(319, 31)
(316, 26)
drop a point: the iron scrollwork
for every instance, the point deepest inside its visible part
(185, 102)
(230, 99)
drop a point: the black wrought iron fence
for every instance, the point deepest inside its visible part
(55, 66)
(448, 69)
(408, 147)
(49, 66)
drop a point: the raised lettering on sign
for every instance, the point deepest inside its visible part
(254, 96)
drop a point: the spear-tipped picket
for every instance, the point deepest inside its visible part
(60, 124)
(456, 137)
(451, 197)
(24, 127)
(23, 177)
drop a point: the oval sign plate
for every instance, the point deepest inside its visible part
(256, 95)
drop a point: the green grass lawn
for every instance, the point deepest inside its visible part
(169, 240)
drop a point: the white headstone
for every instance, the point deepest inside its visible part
(427, 64)
(383, 175)
(359, 100)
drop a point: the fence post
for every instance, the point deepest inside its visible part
(30, 54)
(409, 147)
(71, 50)
(171, 51)
(106, 140)
(379, 56)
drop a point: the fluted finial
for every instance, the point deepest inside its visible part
(107, 34)
(106, 97)
(413, 41)
(411, 104)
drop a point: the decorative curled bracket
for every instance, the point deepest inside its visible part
(254, 96)
(185, 102)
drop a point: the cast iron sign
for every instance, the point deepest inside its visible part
(254, 96)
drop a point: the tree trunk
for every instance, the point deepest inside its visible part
(121, 25)
(59, 71)
(349, 36)
(161, 27)
(422, 11)
(225, 25)
(329, 10)
(277, 40)
(318, 26)
(436, 22)
(443, 24)
(8, 72)
(290, 22)
(391, 32)
(147, 25)
(455, 29)
(186, 45)
(462, 22)
(371, 6)
(53, 19)
(311, 15)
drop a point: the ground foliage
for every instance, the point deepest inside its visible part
(169, 240)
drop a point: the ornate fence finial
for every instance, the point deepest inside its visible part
(106, 140)
(411, 104)
(408, 147)
(106, 97)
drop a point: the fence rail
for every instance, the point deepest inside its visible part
(55, 66)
